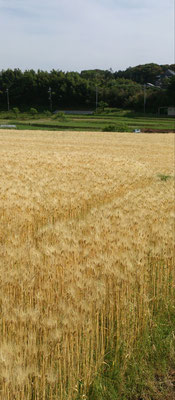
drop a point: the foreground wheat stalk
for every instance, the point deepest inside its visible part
(86, 254)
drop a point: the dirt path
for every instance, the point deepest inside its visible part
(164, 388)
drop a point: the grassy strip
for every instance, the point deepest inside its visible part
(149, 373)
(79, 126)
(53, 127)
(96, 122)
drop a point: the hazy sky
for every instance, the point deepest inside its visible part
(72, 35)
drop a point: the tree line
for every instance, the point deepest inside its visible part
(65, 90)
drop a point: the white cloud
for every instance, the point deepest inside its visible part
(82, 34)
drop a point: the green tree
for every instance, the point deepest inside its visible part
(33, 112)
(16, 111)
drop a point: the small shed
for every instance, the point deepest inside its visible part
(171, 111)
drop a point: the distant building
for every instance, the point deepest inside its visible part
(171, 111)
(169, 73)
(74, 112)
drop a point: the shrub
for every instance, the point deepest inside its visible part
(101, 107)
(47, 113)
(16, 111)
(164, 177)
(33, 112)
(109, 128)
(98, 111)
(116, 128)
(60, 115)
(122, 128)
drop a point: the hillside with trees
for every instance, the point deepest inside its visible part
(72, 90)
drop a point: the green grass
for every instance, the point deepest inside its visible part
(164, 177)
(96, 122)
(144, 375)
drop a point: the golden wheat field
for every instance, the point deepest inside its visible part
(86, 253)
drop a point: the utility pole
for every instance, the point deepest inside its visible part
(96, 91)
(144, 88)
(8, 103)
(50, 98)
